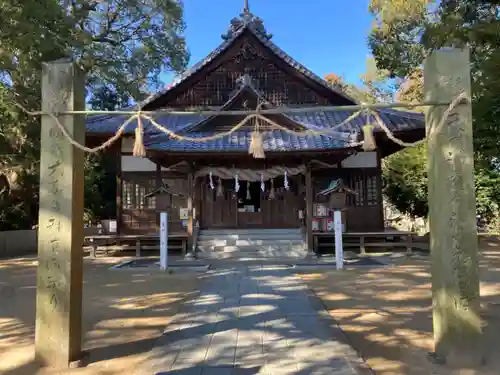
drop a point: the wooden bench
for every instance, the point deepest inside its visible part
(368, 239)
(96, 240)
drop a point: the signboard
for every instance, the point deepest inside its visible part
(112, 226)
(163, 240)
(339, 250)
(184, 213)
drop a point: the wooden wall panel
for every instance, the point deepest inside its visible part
(141, 215)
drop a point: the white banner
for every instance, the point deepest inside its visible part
(163, 240)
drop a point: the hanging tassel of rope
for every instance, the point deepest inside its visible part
(369, 143)
(256, 147)
(139, 149)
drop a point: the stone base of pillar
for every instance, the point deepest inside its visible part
(190, 256)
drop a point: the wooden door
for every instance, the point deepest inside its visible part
(217, 211)
(250, 219)
(283, 210)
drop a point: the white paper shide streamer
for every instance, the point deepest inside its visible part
(236, 183)
(287, 187)
(211, 181)
(262, 185)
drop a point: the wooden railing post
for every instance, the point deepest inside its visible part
(452, 211)
(309, 212)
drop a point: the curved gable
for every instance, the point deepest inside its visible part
(247, 49)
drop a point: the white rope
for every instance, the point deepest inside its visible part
(139, 115)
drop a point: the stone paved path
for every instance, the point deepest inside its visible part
(254, 320)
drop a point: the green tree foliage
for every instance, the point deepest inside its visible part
(400, 44)
(121, 44)
(101, 168)
(404, 32)
(108, 99)
(376, 86)
(405, 180)
(405, 172)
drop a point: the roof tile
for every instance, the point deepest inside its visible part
(277, 140)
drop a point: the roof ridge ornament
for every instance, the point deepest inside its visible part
(245, 80)
(246, 18)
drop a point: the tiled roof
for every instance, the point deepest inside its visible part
(314, 120)
(110, 124)
(282, 141)
(395, 120)
(277, 140)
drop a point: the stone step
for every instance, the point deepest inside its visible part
(256, 255)
(250, 242)
(263, 236)
(251, 248)
(249, 231)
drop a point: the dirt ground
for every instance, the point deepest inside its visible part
(124, 312)
(386, 313)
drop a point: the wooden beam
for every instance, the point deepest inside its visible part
(309, 210)
(452, 212)
(58, 333)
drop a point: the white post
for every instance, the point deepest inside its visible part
(339, 250)
(163, 240)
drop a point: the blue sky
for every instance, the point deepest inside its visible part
(324, 35)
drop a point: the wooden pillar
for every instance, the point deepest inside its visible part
(158, 197)
(452, 211)
(309, 210)
(190, 222)
(158, 175)
(58, 332)
(380, 195)
(119, 190)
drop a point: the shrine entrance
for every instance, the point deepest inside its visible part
(255, 204)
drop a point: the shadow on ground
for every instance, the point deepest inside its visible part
(124, 313)
(386, 312)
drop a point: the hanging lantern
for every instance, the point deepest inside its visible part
(272, 193)
(220, 190)
(248, 191)
(287, 187)
(211, 181)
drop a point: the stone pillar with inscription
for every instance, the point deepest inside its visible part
(58, 334)
(452, 211)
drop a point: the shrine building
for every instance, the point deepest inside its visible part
(216, 184)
